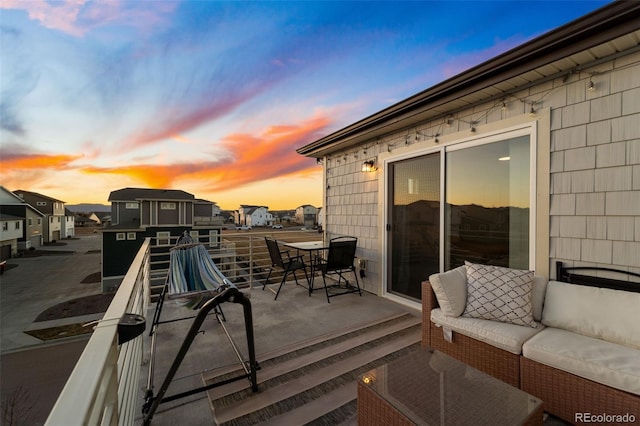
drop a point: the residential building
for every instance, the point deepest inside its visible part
(101, 218)
(163, 215)
(320, 217)
(84, 221)
(206, 212)
(254, 216)
(306, 215)
(53, 210)
(529, 158)
(10, 231)
(33, 220)
(69, 224)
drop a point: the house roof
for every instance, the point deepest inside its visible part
(202, 201)
(7, 217)
(139, 194)
(82, 219)
(34, 195)
(102, 215)
(580, 44)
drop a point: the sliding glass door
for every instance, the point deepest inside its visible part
(485, 208)
(413, 223)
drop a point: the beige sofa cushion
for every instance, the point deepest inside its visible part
(604, 362)
(502, 335)
(500, 294)
(450, 289)
(537, 296)
(611, 315)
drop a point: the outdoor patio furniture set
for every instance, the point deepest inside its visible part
(336, 259)
(574, 343)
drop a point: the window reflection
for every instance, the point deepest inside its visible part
(487, 204)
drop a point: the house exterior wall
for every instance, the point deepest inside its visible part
(13, 232)
(130, 226)
(123, 215)
(33, 224)
(33, 229)
(54, 228)
(69, 227)
(260, 217)
(588, 169)
(306, 215)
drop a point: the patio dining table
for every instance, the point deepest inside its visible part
(310, 247)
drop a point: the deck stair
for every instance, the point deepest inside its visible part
(313, 382)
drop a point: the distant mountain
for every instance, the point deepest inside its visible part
(88, 208)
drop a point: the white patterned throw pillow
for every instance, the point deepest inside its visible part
(499, 293)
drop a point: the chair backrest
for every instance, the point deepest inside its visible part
(342, 253)
(274, 252)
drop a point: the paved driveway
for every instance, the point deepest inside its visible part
(33, 373)
(44, 281)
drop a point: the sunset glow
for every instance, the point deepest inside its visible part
(214, 97)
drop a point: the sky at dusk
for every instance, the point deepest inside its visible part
(213, 97)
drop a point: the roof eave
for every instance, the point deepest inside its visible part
(605, 24)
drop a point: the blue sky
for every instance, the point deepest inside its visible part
(214, 97)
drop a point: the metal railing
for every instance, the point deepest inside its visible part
(242, 256)
(103, 387)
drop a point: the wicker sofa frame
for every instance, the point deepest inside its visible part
(564, 394)
(496, 362)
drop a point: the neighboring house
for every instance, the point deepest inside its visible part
(53, 210)
(33, 220)
(206, 213)
(10, 232)
(69, 224)
(83, 221)
(163, 215)
(101, 218)
(254, 216)
(320, 217)
(307, 215)
(526, 159)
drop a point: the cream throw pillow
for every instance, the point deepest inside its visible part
(450, 289)
(500, 294)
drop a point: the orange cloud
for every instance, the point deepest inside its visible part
(254, 158)
(36, 161)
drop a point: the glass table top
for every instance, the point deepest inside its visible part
(432, 388)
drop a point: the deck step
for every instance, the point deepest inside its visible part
(269, 372)
(214, 373)
(320, 406)
(316, 381)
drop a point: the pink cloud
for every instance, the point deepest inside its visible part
(76, 17)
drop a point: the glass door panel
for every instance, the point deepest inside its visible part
(487, 204)
(413, 224)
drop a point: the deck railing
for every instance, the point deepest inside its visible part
(103, 387)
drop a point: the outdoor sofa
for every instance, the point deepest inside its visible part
(575, 345)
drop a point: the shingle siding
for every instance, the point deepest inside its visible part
(594, 182)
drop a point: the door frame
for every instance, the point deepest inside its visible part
(539, 206)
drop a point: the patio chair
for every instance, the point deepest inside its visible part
(340, 260)
(289, 265)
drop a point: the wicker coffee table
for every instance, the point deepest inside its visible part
(431, 388)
